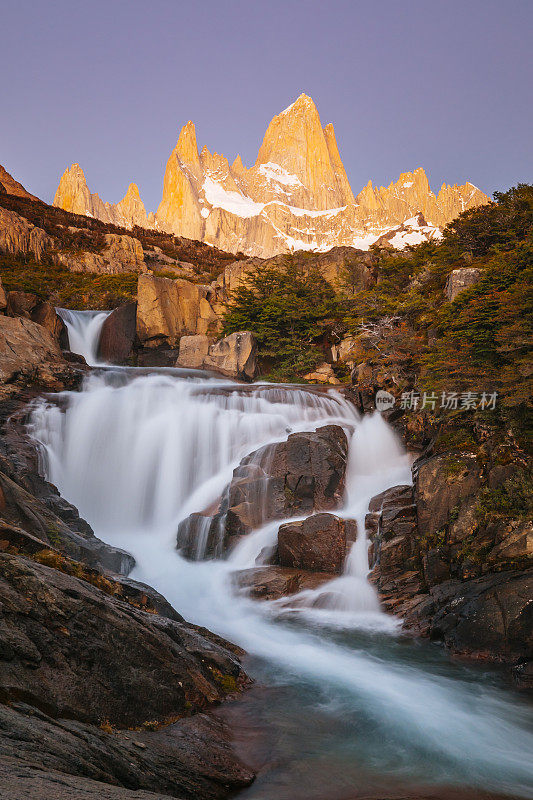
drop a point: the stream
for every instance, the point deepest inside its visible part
(350, 703)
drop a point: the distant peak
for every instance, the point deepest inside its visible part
(75, 168)
(186, 147)
(302, 101)
(133, 191)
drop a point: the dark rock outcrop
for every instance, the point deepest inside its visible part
(72, 650)
(293, 478)
(118, 334)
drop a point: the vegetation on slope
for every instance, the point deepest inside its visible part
(404, 330)
(78, 232)
(61, 287)
(484, 336)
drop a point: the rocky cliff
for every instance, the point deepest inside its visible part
(295, 197)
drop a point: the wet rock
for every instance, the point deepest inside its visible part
(199, 537)
(274, 582)
(43, 758)
(63, 531)
(306, 473)
(489, 617)
(394, 552)
(118, 334)
(390, 496)
(316, 544)
(234, 356)
(136, 666)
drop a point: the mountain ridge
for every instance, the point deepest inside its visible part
(296, 196)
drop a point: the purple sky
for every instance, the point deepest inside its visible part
(108, 83)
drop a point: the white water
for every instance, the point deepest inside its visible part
(138, 454)
(84, 328)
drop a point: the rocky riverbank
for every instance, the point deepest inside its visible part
(101, 681)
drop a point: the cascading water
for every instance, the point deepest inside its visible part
(84, 328)
(139, 453)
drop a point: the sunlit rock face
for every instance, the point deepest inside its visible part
(295, 197)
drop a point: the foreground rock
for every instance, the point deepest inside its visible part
(101, 681)
(117, 337)
(25, 347)
(42, 757)
(449, 577)
(306, 473)
(136, 666)
(234, 356)
(316, 544)
(168, 309)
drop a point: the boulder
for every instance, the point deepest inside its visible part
(24, 346)
(193, 351)
(30, 306)
(118, 334)
(323, 374)
(234, 356)
(459, 280)
(45, 314)
(169, 309)
(306, 473)
(316, 544)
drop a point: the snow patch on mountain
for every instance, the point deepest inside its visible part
(274, 172)
(234, 202)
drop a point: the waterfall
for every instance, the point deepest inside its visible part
(84, 328)
(137, 454)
